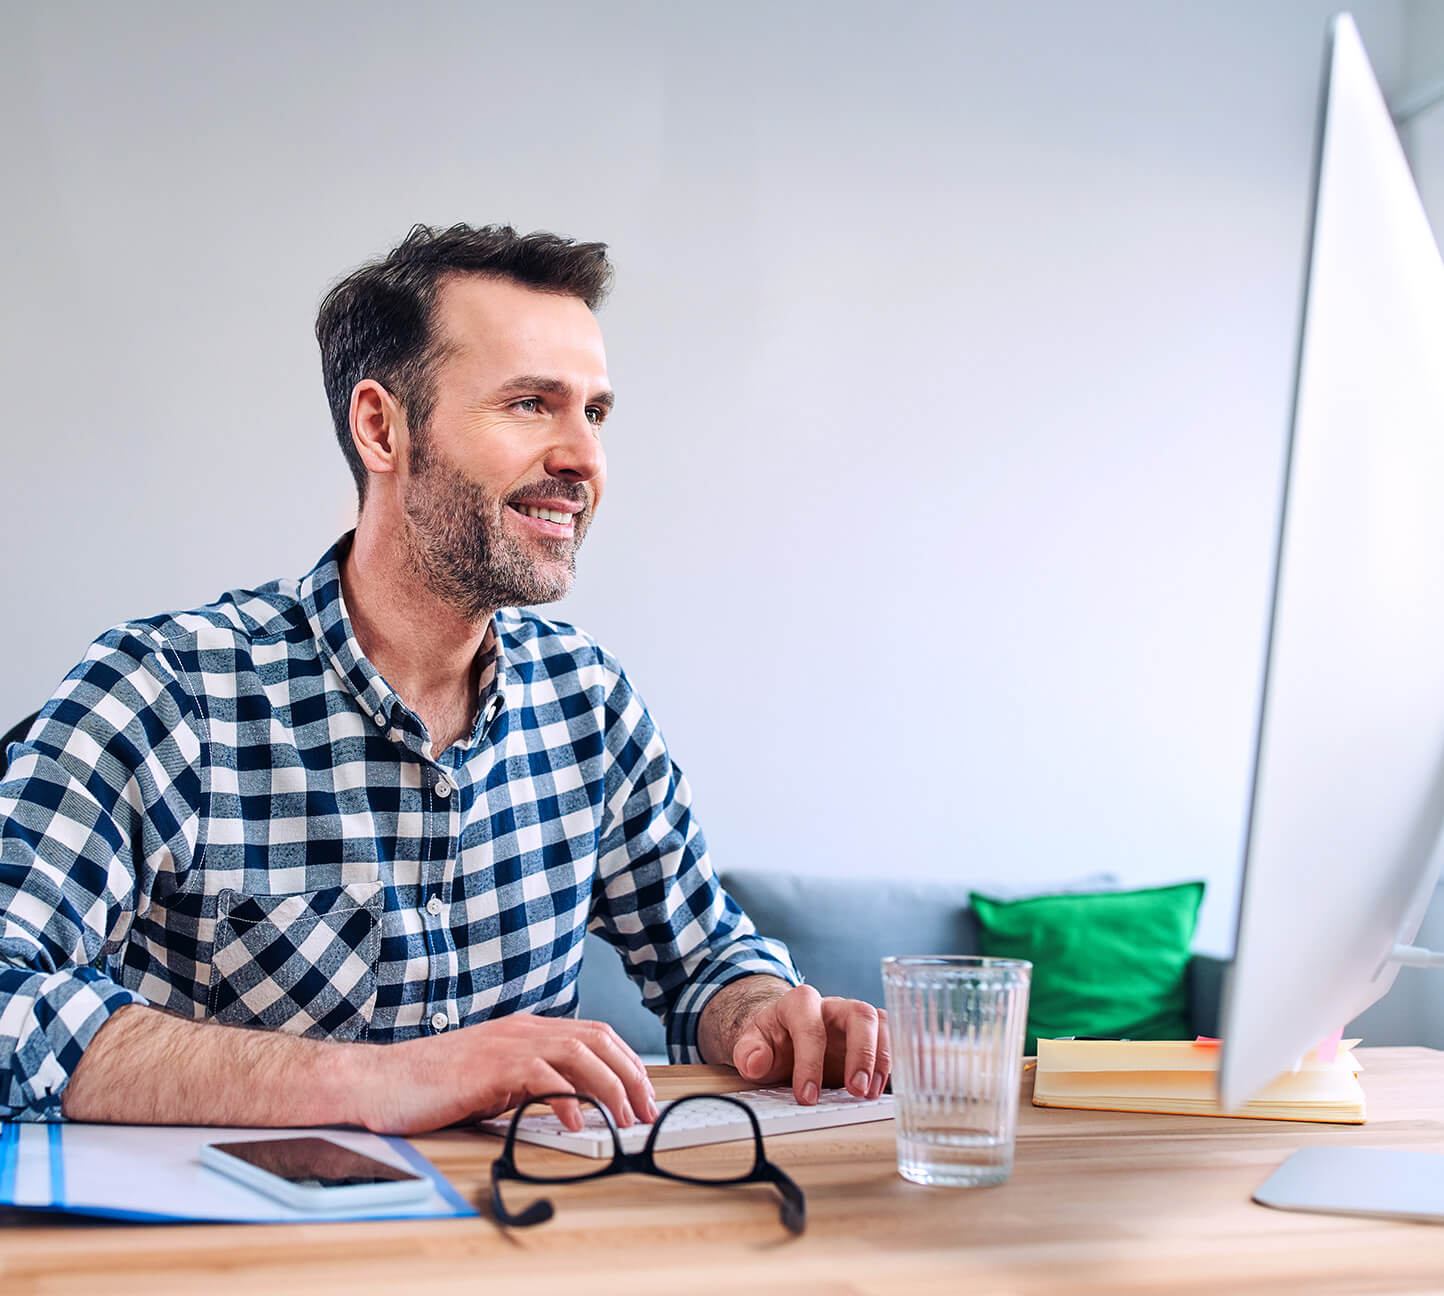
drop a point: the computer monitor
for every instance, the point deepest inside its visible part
(1347, 804)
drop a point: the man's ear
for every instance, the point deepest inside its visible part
(378, 427)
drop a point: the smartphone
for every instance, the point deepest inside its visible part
(314, 1173)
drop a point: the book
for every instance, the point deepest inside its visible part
(1180, 1078)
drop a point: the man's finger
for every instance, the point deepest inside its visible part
(800, 1011)
(542, 1078)
(613, 1050)
(859, 1029)
(754, 1055)
(883, 1070)
(763, 1050)
(588, 1074)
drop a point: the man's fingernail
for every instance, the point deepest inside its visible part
(878, 1081)
(809, 1093)
(753, 1061)
(859, 1083)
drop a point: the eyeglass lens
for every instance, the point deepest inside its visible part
(539, 1162)
(693, 1122)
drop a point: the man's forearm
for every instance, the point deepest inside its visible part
(728, 1012)
(146, 1067)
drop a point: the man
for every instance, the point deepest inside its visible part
(373, 812)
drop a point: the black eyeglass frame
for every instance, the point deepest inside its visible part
(793, 1208)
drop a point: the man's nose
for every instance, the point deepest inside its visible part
(576, 454)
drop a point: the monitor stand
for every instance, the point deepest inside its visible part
(1383, 1182)
(1390, 1183)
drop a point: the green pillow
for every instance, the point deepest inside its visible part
(1108, 963)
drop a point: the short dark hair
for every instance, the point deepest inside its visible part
(377, 322)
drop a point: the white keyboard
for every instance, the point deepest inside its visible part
(699, 1123)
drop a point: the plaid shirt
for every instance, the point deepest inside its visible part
(228, 813)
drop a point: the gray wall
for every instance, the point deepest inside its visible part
(1424, 66)
(953, 347)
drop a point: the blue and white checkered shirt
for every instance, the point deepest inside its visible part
(228, 813)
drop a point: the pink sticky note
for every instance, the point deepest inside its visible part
(1208, 1041)
(1329, 1049)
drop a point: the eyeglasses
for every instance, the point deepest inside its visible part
(737, 1168)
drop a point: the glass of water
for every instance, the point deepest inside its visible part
(957, 1025)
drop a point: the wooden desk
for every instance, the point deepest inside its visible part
(1098, 1202)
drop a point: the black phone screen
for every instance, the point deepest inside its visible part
(314, 1162)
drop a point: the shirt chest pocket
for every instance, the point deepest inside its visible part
(304, 964)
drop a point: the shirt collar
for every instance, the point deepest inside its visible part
(492, 681)
(325, 608)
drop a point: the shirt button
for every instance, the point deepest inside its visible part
(438, 1021)
(433, 906)
(443, 788)
(380, 718)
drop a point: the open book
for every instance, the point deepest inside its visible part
(1180, 1077)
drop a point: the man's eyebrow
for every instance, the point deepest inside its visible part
(551, 387)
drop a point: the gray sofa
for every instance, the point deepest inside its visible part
(839, 930)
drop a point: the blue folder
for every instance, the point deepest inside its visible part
(153, 1173)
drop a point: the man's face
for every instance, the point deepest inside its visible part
(502, 482)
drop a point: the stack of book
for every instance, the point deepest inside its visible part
(1180, 1078)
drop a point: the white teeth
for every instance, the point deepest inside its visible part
(548, 515)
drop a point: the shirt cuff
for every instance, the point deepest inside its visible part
(750, 956)
(67, 1011)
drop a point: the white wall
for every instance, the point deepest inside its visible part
(952, 343)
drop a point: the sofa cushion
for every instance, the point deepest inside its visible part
(1112, 964)
(839, 930)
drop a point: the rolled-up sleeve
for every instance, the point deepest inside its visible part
(657, 897)
(103, 792)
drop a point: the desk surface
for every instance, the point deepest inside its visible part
(1098, 1201)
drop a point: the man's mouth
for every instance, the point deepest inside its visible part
(553, 521)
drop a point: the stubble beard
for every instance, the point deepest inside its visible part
(459, 547)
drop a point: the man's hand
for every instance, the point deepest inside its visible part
(486, 1069)
(774, 1034)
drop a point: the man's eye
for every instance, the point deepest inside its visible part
(596, 415)
(527, 404)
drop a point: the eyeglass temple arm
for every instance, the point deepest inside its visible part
(794, 1204)
(537, 1213)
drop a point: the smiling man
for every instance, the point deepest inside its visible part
(326, 850)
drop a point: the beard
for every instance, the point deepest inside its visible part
(459, 546)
